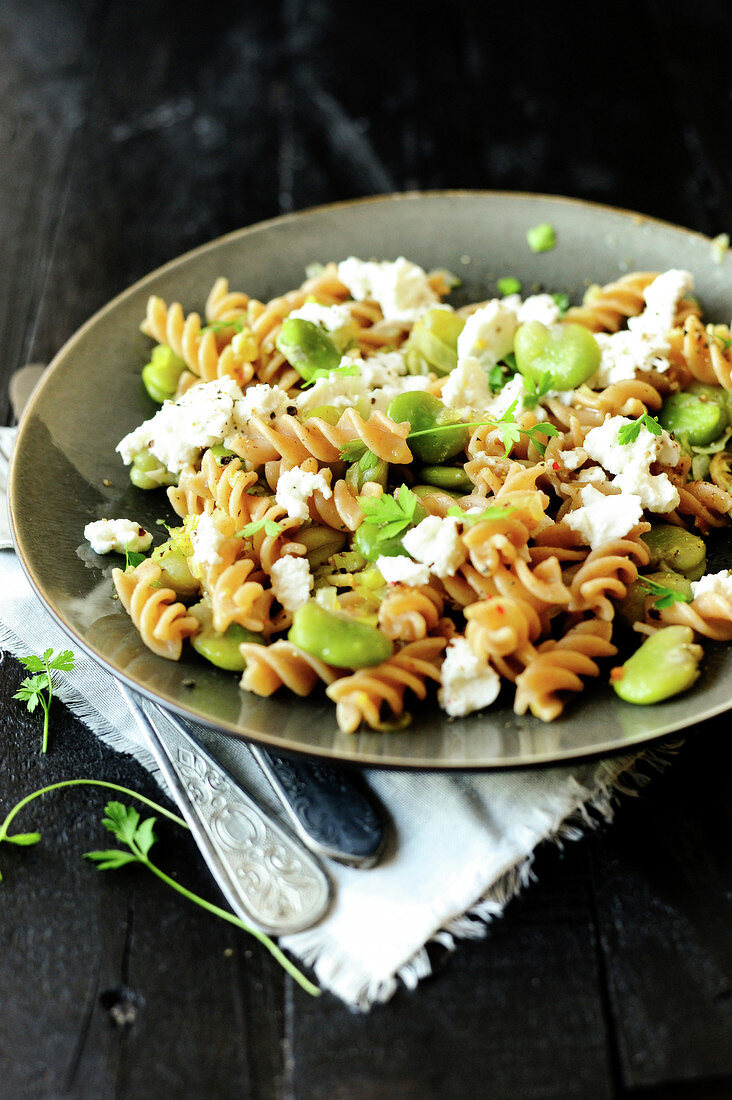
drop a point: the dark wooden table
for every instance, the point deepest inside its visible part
(131, 132)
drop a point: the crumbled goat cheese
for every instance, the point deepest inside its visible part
(572, 459)
(401, 288)
(538, 307)
(592, 473)
(261, 400)
(468, 683)
(401, 570)
(203, 416)
(717, 584)
(206, 540)
(644, 344)
(467, 388)
(294, 489)
(292, 581)
(631, 462)
(436, 543)
(118, 535)
(332, 318)
(488, 334)
(378, 381)
(602, 518)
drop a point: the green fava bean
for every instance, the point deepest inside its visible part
(677, 549)
(664, 665)
(432, 343)
(368, 542)
(336, 639)
(331, 414)
(569, 354)
(148, 472)
(368, 468)
(712, 393)
(451, 478)
(693, 417)
(222, 650)
(175, 573)
(307, 347)
(161, 375)
(432, 438)
(631, 608)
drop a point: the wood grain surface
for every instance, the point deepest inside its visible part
(131, 132)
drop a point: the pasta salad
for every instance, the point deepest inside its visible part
(385, 497)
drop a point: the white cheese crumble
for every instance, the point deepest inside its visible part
(717, 584)
(206, 540)
(468, 683)
(538, 307)
(488, 334)
(572, 459)
(261, 400)
(436, 543)
(401, 288)
(379, 380)
(331, 318)
(202, 417)
(292, 581)
(644, 344)
(602, 518)
(631, 462)
(294, 489)
(401, 570)
(118, 535)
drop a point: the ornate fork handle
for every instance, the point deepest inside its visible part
(268, 877)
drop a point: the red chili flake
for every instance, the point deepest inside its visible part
(501, 610)
(556, 466)
(617, 673)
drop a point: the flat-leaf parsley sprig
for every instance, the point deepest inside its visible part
(39, 688)
(392, 515)
(508, 429)
(139, 836)
(665, 596)
(628, 433)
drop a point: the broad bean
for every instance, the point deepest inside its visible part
(337, 639)
(331, 414)
(161, 375)
(569, 354)
(693, 417)
(677, 549)
(426, 414)
(367, 468)
(221, 650)
(307, 347)
(432, 343)
(451, 478)
(665, 664)
(631, 607)
(148, 472)
(175, 572)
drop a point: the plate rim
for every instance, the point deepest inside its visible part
(364, 758)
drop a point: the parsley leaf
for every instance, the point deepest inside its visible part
(665, 597)
(562, 301)
(533, 392)
(321, 372)
(628, 433)
(132, 557)
(493, 511)
(271, 527)
(392, 515)
(38, 689)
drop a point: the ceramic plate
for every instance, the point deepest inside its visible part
(65, 470)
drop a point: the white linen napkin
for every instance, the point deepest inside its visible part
(463, 843)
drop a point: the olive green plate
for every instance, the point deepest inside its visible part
(66, 473)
